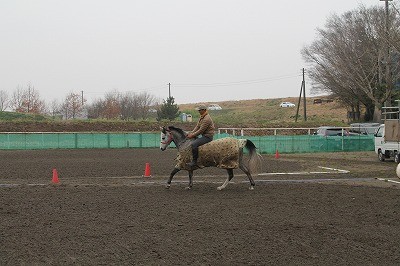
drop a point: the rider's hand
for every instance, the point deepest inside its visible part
(190, 136)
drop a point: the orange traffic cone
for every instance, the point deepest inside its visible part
(277, 154)
(55, 179)
(147, 171)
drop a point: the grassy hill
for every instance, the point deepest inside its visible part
(267, 113)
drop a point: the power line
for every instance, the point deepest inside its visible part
(234, 83)
(215, 84)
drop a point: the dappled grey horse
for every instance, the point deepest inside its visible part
(225, 153)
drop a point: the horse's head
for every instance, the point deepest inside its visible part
(166, 138)
(171, 133)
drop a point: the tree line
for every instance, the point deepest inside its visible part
(356, 58)
(114, 105)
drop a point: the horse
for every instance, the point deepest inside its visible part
(225, 153)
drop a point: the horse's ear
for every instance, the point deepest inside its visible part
(162, 129)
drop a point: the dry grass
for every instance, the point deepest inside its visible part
(267, 113)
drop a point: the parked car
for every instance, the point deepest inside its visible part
(322, 100)
(364, 128)
(317, 101)
(334, 131)
(287, 104)
(214, 107)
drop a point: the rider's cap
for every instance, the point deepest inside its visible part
(201, 107)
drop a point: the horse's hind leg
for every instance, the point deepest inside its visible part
(247, 172)
(176, 170)
(230, 176)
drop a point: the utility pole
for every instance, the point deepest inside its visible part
(304, 96)
(302, 90)
(82, 97)
(29, 98)
(169, 90)
(387, 12)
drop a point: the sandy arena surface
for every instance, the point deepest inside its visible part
(306, 209)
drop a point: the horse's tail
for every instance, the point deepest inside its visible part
(255, 157)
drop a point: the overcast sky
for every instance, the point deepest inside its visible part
(209, 50)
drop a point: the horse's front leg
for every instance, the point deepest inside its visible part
(176, 170)
(190, 180)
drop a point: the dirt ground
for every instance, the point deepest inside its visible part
(306, 209)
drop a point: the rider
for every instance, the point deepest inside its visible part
(205, 128)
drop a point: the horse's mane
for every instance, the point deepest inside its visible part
(179, 130)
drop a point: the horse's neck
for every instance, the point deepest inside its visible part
(184, 144)
(181, 142)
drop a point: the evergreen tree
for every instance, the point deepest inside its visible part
(168, 110)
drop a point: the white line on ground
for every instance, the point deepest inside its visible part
(388, 180)
(332, 171)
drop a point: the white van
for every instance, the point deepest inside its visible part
(386, 149)
(214, 107)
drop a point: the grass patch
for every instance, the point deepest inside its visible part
(12, 116)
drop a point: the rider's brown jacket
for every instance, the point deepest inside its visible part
(204, 127)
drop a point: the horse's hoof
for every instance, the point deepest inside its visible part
(167, 186)
(251, 188)
(188, 188)
(220, 188)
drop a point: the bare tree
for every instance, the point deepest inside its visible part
(4, 100)
(17, 100)
(347, 59)
(55, 108)
(109, 108)
(112, 108)
(393, 36)
(128, 105)
(27, 101)
(123, 106)
(145, 101)
(95, 110)
(73, 105)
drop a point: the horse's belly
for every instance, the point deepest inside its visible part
(220, 160)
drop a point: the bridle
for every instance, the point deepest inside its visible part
(170, 138)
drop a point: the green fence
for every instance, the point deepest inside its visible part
(32, 141)
(312, 143)
(265, 144)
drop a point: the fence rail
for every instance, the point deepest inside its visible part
(267, 144)
(357, 128)
(266, 131)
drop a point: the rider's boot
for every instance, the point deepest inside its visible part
(195, 152)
